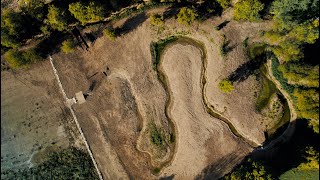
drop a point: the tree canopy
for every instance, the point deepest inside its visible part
(87, 12)
(56, 18)
(299, 74)
(307, 105)
(187, 16)
(12, 28)
(248, 10)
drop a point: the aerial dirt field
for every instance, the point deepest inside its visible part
(129, 105)
(128, 100)
(34, 119)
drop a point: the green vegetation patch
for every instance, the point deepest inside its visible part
(157, 135)
(226, 86)
(187, 16)
(67, 164)
(247, 10)
(250, 170)
(268, 88)
(18, 59)
(158, 47)
(110, 33)
(68, 46)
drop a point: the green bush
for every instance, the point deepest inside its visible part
(87, 12)
(156, 136)
(187, 16)
(110, 33)
(156, 20)
(248, 10)
(68, 46)
(18, 59)
(226, 86)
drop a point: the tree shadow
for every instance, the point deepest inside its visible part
(226, 47)
(222, 25)
(167, 177)
(247, 69)
(215, 170)
(131, 23)
(51, 44)
(208, 9)
(277, 160)
(172, 12)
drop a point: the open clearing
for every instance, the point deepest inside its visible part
(33, 116)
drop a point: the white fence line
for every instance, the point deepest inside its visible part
(76, 120)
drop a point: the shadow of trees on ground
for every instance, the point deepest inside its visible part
(276, 160)
(131, 23)
(247, 69)
(51, 44)
(215, 170)
(167, 177)
(222, 25)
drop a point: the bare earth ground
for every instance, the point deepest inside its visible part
(202, 139)
(116, 117)
(33, 116)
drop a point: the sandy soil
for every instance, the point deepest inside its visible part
(33, 116)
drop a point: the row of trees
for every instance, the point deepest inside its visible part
(296, 24)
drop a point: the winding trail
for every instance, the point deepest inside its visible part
(69, 102)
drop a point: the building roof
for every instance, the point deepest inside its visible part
(80, 98)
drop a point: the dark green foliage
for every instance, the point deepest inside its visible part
(245, 42)
(67, 164)
(35, 8)
(279, 76)
(12, 28)
(289, 13)
(268, 88)
(155, 170)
